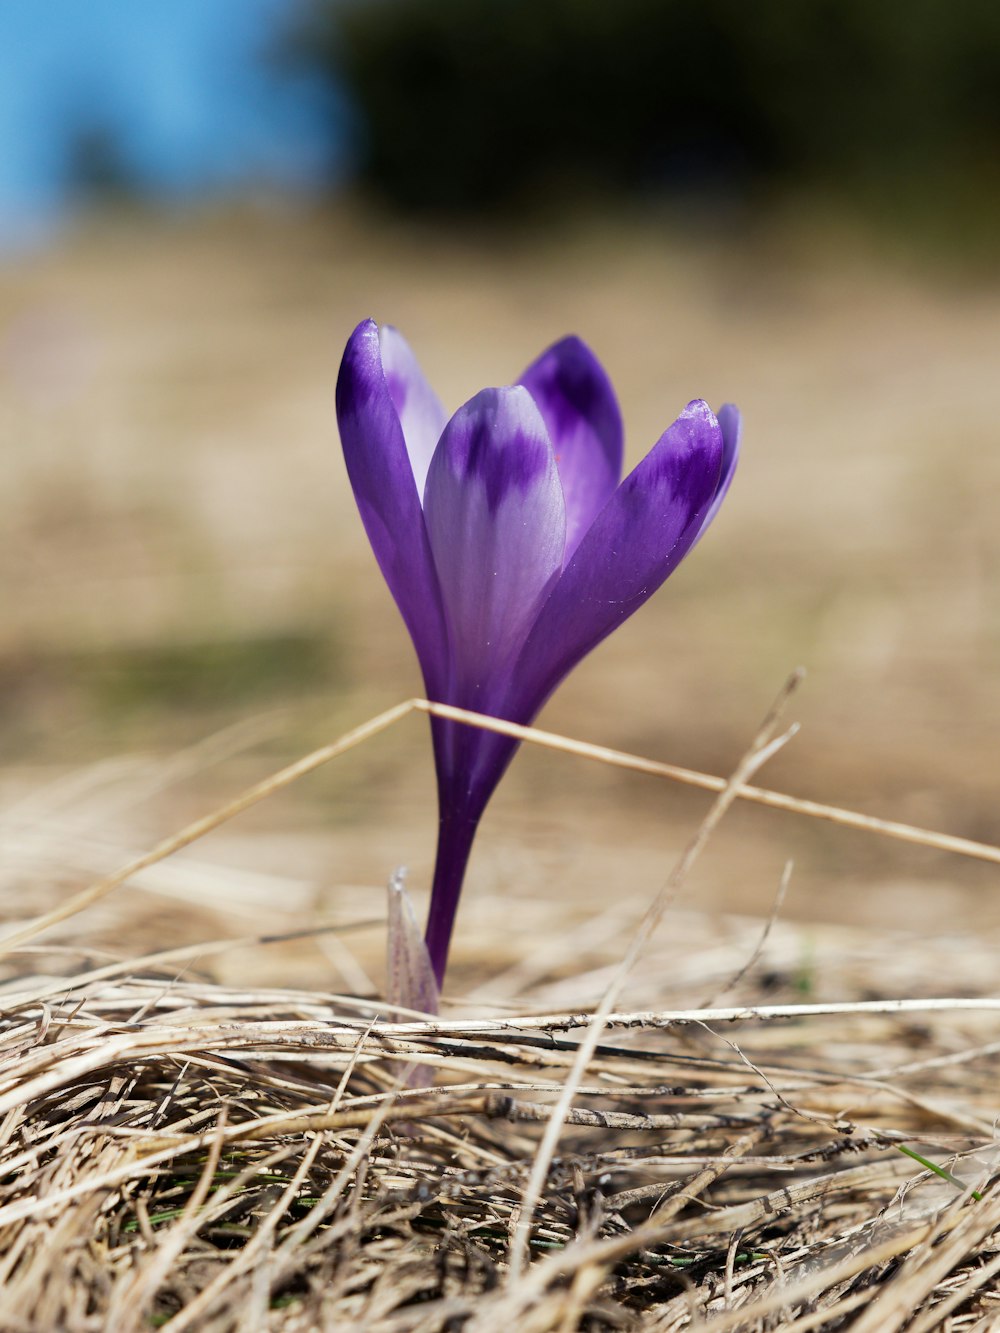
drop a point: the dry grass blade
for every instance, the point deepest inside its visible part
(136, 1297)
(929, 1262)
(192, 832)
(981, 1277)
(777, 800)
(762, 747)
(533, 735)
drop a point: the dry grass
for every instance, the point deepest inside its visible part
(179, 545)
(181, 1152)
(178, 1151)
(194, 1131)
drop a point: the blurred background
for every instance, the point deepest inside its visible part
(792, 207)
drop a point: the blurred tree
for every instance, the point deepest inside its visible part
(470, 104)
(96, 165)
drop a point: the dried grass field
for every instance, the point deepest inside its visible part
(201, 1124)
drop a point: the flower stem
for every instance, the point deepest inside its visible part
(456, 834)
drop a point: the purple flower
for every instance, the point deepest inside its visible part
(510, 544)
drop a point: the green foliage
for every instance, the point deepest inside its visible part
(160, 688)
(203, 676)
(471, 104)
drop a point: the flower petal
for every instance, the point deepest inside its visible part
(417, 405)
(496, 521)
(579, 408)
(731, 425)
(386, 493)
(638, 539)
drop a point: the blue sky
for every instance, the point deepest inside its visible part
(185, 88)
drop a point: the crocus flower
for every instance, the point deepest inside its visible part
(510, 543)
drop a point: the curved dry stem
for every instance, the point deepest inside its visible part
(532, 735)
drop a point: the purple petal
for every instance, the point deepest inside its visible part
(579, 408)
(496, 521)
(417, 405)
(731, 426)
(386, 494)
(637, 540)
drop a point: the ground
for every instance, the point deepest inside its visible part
(180, 547)
(189, 602)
